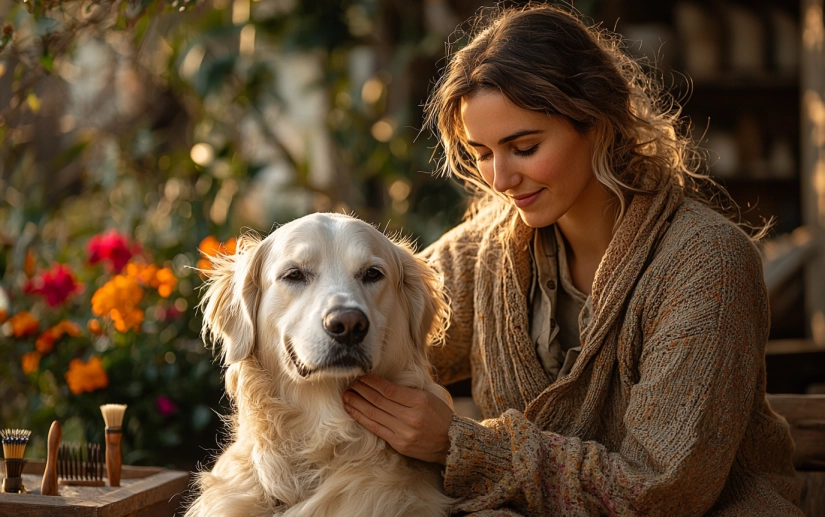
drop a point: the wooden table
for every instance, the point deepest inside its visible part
(144, 492)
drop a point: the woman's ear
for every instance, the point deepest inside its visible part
(230, 304)
(426, 299)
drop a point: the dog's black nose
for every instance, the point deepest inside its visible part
(347, 326)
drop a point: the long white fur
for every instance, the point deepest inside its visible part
(293, 449)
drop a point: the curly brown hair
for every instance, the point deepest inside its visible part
(545, 58)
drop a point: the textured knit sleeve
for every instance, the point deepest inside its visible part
(685, 417)
(454, 257)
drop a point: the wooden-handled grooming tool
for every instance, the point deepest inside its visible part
(14, 445)
(48, 486)
(80, 465)
(113, 416)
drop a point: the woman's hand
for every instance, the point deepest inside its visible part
(414, 422)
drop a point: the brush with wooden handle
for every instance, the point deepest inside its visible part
(48, 485)
(113, 416)
(14, 445)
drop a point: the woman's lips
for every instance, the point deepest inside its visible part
(525, 199)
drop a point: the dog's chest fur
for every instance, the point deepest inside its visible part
(338, 468)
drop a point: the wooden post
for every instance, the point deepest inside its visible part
(812, 170)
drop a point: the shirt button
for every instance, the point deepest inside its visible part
(551, 284)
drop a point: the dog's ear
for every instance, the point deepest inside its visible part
(426, 299)
(230, 304)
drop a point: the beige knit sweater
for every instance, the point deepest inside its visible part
(664, 412)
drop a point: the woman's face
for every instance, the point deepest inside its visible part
(540, 162)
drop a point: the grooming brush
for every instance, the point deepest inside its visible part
(80, 465)
(113, 416)
(14, 445)
(48, 485)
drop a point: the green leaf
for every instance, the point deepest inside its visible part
(47, 60)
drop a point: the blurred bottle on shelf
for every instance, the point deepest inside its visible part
(698, 34)
(745, 40)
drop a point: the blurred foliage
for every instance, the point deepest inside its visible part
(169, 122)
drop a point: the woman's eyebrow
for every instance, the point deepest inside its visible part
(509, 138)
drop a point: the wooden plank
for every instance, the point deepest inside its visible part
(155, 489)
(813, 493)
(144, 491)
(793, 346)
(806, 417)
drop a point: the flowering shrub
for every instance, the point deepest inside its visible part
(111, 325)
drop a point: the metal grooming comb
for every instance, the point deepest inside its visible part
(80, 465)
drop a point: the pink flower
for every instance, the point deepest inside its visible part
(55, 285)
(113, 247)
(165, 406)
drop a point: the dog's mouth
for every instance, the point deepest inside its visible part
(347, 359)
(302, 369)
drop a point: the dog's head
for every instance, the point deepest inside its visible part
(326, 295)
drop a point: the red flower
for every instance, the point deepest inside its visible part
(165, 406)
(113, 247)
(55, 285)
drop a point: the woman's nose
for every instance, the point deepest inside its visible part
(504, 177)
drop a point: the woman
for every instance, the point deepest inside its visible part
(613, 324)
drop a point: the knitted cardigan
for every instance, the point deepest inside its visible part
(664, 412)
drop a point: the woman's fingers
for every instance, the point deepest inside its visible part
(373, 405)
(395, 392)
(368, 423)
(414, 422)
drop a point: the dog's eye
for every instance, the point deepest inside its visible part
(373, 274)
(294, 275)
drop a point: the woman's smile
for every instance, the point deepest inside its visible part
(525, 200)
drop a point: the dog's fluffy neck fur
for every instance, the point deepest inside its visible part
(308, 439)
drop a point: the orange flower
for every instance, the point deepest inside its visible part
(211, 247)
(29, 263)
(45, 343)
(95, 327)
(166, 282)
(86, 376)
(119, 299)
(128, 319)
(69, 327)
(30, 362)
(143, 273)
(23, 324)
(150, 275)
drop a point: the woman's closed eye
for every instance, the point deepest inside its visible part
(527, 152)
(518, 152)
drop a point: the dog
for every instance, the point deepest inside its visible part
(301, 314)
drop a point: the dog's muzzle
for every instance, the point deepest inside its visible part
(347, 328)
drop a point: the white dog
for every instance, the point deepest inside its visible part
(301, 314)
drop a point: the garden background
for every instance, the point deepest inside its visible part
(138, 136)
